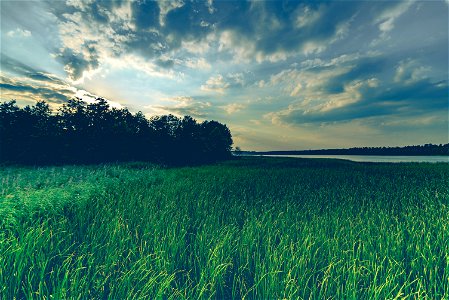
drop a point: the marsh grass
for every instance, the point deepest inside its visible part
(253, 228)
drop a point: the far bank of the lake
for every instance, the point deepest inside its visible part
(374, 158)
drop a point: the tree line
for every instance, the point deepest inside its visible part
(81, 132)
(418, 150)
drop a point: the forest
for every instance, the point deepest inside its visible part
(415, 150)
(85, 133)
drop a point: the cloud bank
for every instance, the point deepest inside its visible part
(300, 67)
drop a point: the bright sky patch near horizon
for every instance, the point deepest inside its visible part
(283, 75)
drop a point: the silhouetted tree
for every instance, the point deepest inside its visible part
(10, 131)
(216, 139)
(188, 142)
(44, 133)
(89, 133)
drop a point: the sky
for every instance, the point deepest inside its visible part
(283, 75)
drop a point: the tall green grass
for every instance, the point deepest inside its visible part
(254, 228)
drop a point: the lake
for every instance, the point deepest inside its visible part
(375, 158)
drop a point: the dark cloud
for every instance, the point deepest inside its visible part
(275, 26)
(78, 62)
(187, 22)
(148, 44)
(360, 86)
(32, 83)
(43, 77)
(99, 12)
(14, 66)
(309, 62)
(235, 15)
(267, 26)
(165, 63)
(263, 28)
(320, 25)
(419, 96)
(53, 95)
(363, 69)
(145, 14)
(394, 100)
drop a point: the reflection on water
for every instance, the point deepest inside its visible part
(375, 158)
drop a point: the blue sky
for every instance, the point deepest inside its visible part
(281, 74)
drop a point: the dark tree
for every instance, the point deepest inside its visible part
(216, 139)
(188, 141)
(91, 133)
(10, 131)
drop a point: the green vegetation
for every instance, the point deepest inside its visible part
(252, 228)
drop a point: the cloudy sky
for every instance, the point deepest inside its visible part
(281, 74)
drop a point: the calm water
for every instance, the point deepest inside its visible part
(375, 158)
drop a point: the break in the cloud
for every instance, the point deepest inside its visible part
(281, 74)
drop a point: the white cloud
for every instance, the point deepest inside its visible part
(410, 71)
(241, 49)
(387, 18)
(386, 21)
(215, 84)
(210, 6)
(309, 84)
(198, 47)
(199, 64)
(306, 17)
(219, 83)
(307, 79)
(233, 108)
(90, 98)
(256, 122)
(166, 6)
(336, 61)
(350, 95)
(19, 32)
(237, 78)
(277, 56)
(296, 90)
(130, 61)
(292, 81)
(416, 121)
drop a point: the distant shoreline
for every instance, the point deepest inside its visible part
(420, 150)
(365, 158)
(250, 153)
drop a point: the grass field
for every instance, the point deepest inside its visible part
(253, 228)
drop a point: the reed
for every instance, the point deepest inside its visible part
(252, 228)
